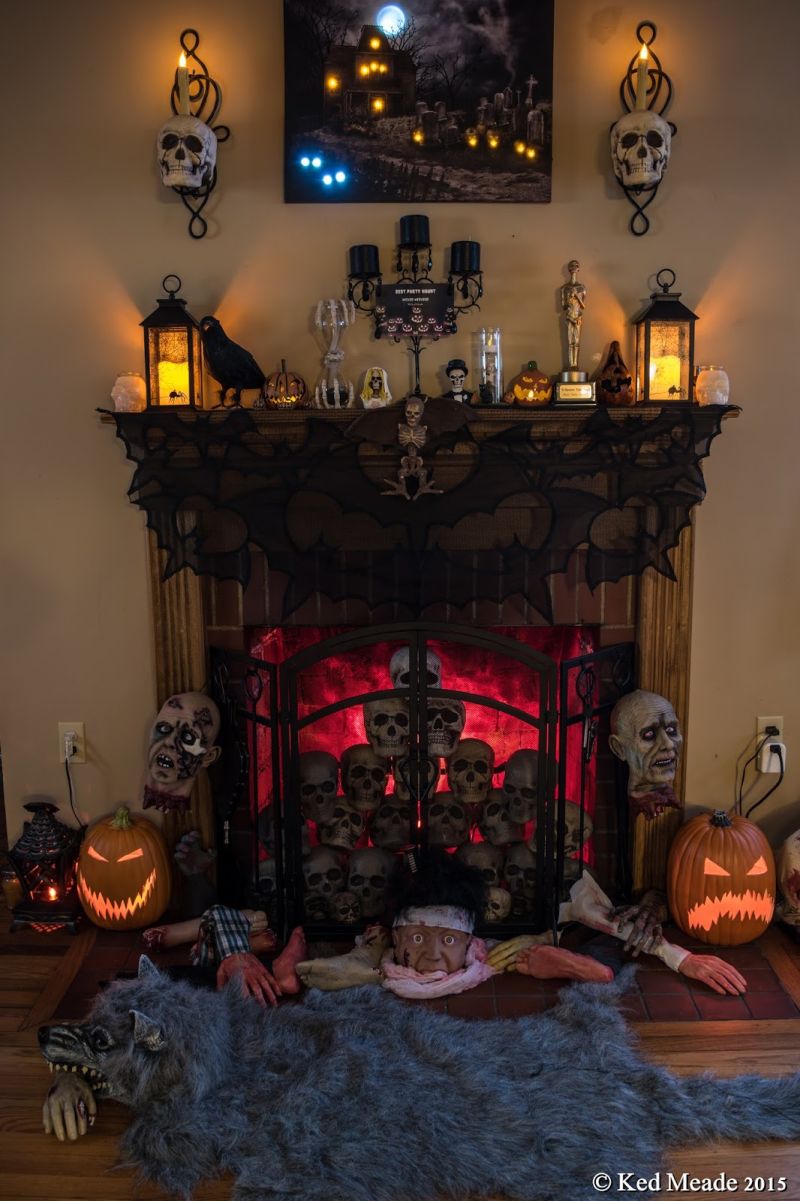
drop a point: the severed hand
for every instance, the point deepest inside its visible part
(653, 803)
(714, 972)
(646, 917)
(255, 979)
(69, 1109)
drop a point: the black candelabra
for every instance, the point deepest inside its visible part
(415, 306)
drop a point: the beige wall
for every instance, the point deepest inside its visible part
(89, 233)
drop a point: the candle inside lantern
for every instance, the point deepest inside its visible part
(183, 86)
(641, 79)
(364, 263)
(173, 383)
(414, 231)
(465, 258)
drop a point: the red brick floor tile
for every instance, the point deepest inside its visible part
(633, 1008)
(714, 1009)
(438, 1005)
(662, 982)
(771, 1005)
(761, 979)
(514, 984)
(671, 1008)
(467, 1005)
(517, 1007)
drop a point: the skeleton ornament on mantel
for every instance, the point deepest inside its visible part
(187, 152)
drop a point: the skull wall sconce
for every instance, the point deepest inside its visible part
(186, 146)
(641, 140)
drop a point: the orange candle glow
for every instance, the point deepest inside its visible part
(641, 79)
(183, 86)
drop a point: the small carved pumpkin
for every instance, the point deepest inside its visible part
(721, 879)
(124, 873)
(614, 383)
(284, 390)
(531, 387)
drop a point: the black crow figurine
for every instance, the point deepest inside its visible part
(233, 367)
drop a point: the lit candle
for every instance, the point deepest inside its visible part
(641, 79)
(183, 86)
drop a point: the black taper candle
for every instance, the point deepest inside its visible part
(364, 262)
(465, 258)
(414, 231)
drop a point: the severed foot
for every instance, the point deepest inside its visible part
(359, 966)
(557, 963)
(284, 968)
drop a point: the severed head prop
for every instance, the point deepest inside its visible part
(646, 734)
(182, 742)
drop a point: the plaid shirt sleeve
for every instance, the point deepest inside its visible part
(223, 932)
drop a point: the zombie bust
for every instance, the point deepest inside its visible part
(182, 742)
(646, 734)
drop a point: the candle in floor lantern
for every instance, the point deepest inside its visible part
(465, 258)
(641, 79)
(183, 86)
(415, 231)
(364, 262)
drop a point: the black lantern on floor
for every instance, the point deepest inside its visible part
(173, 352)
(664, 345)
(44, 860)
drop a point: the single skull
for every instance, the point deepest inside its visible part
(520, 785)
(520, 874)
(400, 668)
(495, 822)
(487, 859)
(572, 829)
(391, 826)
(187, 153)
(364, 777)
(344, 907)
(318, 775)
(401, 773)
(323, 876)
(498, 905)
(469, 771)
(640, 148)
(386, 723)
(448, 823)
(344, 828)
(368, 876)
(445, 721)
(267, 884)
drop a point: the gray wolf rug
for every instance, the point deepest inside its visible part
(357, 1096)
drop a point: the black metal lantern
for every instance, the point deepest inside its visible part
(44, 859)
(664, 345)
(173, 352)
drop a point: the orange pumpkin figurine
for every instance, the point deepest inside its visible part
(124, 872)
(721, 879)
(614, 383)
(530, 387)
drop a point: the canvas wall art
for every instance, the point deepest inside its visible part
(429, 100)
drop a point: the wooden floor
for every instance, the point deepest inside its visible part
(36, 970)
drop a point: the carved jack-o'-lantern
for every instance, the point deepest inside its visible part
(124, 874)
(284, 390)
(530, 387)
(721, 879)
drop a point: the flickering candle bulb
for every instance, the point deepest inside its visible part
(465, 258)
(183, 86)
(641, 79)
(364, 263)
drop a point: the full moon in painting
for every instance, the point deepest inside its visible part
(391, 19)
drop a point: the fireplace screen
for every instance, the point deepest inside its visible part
(344, 750)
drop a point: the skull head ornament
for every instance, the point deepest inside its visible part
(640, 148)
(368, 876)
(387, 725)
(487, 859)
(469, 771)
(391, 826)
(318, 775)
(448, 823)
(344, 828)
(344, 907)
(187, 153)
(323, 875)
(364, 777)
(405, 784)
(498, 905)
(400, 668)
(495, 822)
(521, 876)
(519, 785)
(445, 720)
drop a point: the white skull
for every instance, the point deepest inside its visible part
(386, 723)
(391, 826)
(498, 905)
(521, 876)
(187, 152)
(400, 668)
(448, 824)
(364, 777)
(401, 773)
(572, 829)
(344, 907)
(519, 785)
(495, 822)
(267, 883)
(487, 859)
(344, 828)
(469, 771)
(640, 148)
(446, 720)
(323, 875)
(318, 774)
(368, 876)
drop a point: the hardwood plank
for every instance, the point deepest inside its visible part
(61, 978)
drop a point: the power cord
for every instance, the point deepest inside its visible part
(67, 756)
(770, 732)
(779, 752)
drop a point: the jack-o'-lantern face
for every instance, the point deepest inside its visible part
(721, 879)
(124, 875)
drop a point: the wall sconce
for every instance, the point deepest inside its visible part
(187, 144)
(173, 353)
(641, 140)
(664, 345)
(44, 860)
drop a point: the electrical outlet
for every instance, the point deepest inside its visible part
(78, 730)
(761, 728)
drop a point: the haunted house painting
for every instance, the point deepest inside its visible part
(426, 100)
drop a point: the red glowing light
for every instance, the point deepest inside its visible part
(52, 893)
